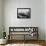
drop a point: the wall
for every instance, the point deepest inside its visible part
(37, 15)
(45, 19)
(0, 18)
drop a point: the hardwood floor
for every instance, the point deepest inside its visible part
(26, 42)
(40, 42)
(21, 45)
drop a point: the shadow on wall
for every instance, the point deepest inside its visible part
(1, 34)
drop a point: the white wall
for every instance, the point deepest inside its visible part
(0, 18)
(0, 11)
(45, 19)
(37, 15)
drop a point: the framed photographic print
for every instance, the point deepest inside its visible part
(23, 12)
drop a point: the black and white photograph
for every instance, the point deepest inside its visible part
(23, 12)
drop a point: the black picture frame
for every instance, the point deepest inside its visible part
(23, 13)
